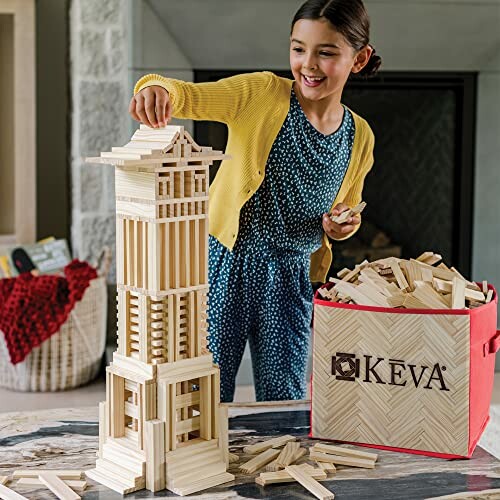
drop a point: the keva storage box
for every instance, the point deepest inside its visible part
(418, 381)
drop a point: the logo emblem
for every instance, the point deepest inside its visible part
(345, 366)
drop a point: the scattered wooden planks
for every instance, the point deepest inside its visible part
(61, 482)
(324, 455)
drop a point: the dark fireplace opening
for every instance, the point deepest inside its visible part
(419, 193)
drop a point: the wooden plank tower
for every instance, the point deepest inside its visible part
(162, 425)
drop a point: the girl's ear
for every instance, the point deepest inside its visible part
(362, 58)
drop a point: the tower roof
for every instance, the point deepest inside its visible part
(154, 145)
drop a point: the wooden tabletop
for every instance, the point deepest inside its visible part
(68, 439)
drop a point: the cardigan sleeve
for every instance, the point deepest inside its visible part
(354, 195)
(221, 101)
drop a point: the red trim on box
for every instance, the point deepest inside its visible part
(392, 448)
(483, 321)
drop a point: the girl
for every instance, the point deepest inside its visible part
(296, 152)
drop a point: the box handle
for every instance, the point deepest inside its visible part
(492, 346)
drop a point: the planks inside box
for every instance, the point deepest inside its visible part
(421, 283)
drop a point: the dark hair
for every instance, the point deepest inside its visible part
(349, 18)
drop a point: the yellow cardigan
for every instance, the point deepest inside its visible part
(254, 107)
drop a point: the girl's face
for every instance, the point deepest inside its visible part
(321, 59)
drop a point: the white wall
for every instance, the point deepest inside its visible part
(154, 50)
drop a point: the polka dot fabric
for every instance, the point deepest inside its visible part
(261, 291)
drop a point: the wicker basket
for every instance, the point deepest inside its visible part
(72, 356)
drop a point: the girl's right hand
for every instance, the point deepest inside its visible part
(151, 106)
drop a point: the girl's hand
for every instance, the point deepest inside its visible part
(151, 106)
(336, 231)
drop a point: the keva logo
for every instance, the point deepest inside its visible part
(346, 366)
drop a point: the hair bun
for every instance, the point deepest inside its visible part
(372, 66)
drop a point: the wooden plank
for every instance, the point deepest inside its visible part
(470, 284)
(344, 452)
(8, 494)
(219, 421)
(63, 474)
(177, 257)
(283, 476)
(445, 286)
(259, 461)
(402, 283)
(155, 257)
(327, 467)
(423, 257)
(353, 291)
(144, 329)
(223, 432)
(163, 411)
(278, 464)
(117, 406)
(57, 486)
(137, 253)
(192, 337)
(202, 484)
(339, 460)
(189, 399)
(373, 293)
(188, 425)
(145, 254)
(186, 255)
(72, 483)
(120, 254)
(196, 252)
(205, 407)
(170, 330)
(458, 294)
(428, 296)
(154, 431)
(317, 489)
(269, 443)
(427, 275)
(288, 453)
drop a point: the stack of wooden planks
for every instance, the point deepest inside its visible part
(421, 283)
(282, 467)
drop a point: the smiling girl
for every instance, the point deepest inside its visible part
(297, 154)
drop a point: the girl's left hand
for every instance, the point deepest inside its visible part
(336, 231)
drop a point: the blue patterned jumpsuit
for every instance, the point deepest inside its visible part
(260, 291)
